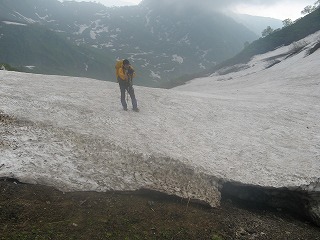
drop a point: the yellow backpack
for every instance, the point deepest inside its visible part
(118, 65)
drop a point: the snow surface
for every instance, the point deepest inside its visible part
(256, 126)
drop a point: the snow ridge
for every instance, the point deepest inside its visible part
(257, 126)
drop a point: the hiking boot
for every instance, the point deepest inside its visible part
(136, 109)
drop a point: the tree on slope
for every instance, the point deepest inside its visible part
(287, 22)
(267, 31)
(309, 9)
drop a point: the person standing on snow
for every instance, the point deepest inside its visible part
(125, 73)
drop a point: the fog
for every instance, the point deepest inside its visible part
(228, 4)
(280, 9)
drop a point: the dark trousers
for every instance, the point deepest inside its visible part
(126, 86)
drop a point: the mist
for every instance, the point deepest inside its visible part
(279, 9)
(212, 4)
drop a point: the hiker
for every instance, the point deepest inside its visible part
(125, 73)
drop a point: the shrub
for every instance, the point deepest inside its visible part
(7, 67)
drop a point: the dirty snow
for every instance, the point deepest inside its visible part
(256, 126)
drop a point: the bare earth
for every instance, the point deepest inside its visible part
(40, 212)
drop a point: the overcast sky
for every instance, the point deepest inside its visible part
(280, 9)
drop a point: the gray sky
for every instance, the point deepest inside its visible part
(280, 9)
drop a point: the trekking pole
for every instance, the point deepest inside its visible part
(127, 95)
(130, 77)
(127, 88)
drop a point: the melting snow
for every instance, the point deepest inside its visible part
(93, 35)
(30, 67)
(14, 23)
(176, 58)
(257, 126)
(155, 75)
(28, 20)
(82, 28)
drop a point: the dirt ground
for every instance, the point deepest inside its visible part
(40, 212)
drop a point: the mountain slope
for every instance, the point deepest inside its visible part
(283, 69)
(285, 36)
(37, 49)
(299, 30)
(163, 43)
(255, 23)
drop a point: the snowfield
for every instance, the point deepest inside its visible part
(256, 127)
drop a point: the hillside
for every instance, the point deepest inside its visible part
(283, 37)
(256, 24)
(295, 32)
(33, 48)
(161, 42)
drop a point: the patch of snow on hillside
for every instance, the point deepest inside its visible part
(14, 23)
(202, 66)
(93, 35)
(103, 14)
(147, 18)
(170, 70)
(42, 18)
(82, 28)
(176, 58)
(185, 40)
(155, 75)
(59, 31)
(204, 53)
(100, 28)
(30, 67)
(146, 64)
(103, 30)
(107, 45)
(28, 20)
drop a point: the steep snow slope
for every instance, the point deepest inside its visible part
(286, 67)
(256, 127)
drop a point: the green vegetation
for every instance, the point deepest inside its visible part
(47, 52)
(7, 67)
(267, 31)
(311, 8)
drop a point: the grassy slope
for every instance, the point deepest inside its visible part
(51, 53)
